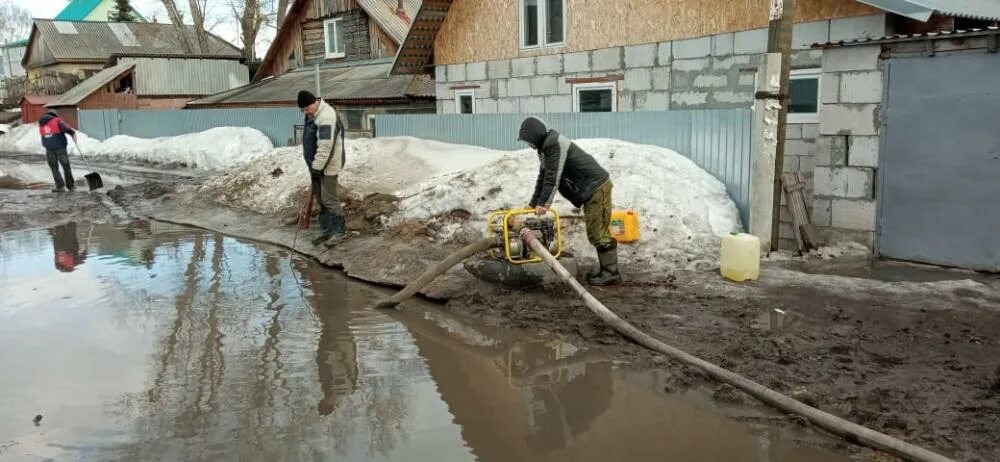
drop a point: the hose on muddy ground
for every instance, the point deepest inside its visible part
(829, 422)
(433, 272)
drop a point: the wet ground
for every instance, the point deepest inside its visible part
(147, 341)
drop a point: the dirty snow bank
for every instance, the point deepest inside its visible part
(683, 210)
(276, 183)
(214, 149)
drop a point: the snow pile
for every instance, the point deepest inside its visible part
(683, 210)
(214, 149)
(276, 183)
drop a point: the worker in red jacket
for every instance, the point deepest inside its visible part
(53, 131)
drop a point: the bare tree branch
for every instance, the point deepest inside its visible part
(177, 18)
(198, 16)
(15, 22)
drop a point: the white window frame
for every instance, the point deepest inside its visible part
(613, 86)
(803, 74)
(458, 100)
(543, 6)
(326, 39)
(370, 120)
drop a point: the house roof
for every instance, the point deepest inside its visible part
(345, 82)
(76, 41)
(19, 43)
(38, 99)
(97, 81)
(383, 12)
(959, 34)
(922, 10)
(78, 10)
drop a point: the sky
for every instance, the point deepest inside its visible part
(219, 17)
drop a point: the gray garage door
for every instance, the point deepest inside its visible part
(940, 165)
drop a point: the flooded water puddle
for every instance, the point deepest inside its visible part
(155, 342)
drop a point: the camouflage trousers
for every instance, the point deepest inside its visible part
(597, 215)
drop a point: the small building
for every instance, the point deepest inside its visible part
(80, 49)
(92, 10)
(345, 48)
(111, 88)
(32, 107)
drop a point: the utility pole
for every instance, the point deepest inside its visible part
(779, 40)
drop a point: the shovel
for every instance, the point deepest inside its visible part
(94, 180)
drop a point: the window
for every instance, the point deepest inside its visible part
(465, 101)
(370, 118)
(803, 94)
(542, 23)
(333, 35)
(595, 97)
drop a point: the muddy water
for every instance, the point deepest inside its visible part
(153, 342)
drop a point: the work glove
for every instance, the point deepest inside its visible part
(316, 175)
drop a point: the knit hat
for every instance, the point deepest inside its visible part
(305, 99)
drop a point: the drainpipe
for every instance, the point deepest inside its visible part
(399, 8)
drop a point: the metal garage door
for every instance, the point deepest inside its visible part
(940, 162)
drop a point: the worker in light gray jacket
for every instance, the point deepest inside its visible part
(324, 150)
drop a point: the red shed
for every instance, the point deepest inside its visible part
(33, 107)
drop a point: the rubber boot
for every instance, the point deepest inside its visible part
(326, 228)
(609, 274)
(339, 228)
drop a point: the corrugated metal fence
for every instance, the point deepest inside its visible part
(720, 141)
(277, 123)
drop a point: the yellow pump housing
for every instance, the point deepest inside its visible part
(506, 225)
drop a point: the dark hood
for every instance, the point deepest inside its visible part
(533, 132)
(45, 119)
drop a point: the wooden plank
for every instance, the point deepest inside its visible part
(794, 190)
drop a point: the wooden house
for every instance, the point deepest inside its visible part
(342, 50)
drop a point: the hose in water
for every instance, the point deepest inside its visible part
(828, 422)
(433, 272)
(848, 430)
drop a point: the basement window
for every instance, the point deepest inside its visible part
(333, 37)
(465, 101)
(542, 23)
(595, 97)
(804, 98)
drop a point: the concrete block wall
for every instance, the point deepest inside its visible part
(714, 72)
(848, 145)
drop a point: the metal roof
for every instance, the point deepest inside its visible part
(384, 14)
(912, 37)
(19, 43)
(38, 99)
(922, 10)
(80, 92)
(367, 80)
(158, 76)
(96, 41)
(78, 10)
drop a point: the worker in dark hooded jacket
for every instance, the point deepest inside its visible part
(53, 131)
(580, 179)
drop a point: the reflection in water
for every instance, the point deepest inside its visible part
(175, 344)
(66, 246)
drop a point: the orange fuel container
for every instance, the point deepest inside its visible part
(625, 226)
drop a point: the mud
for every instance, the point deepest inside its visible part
(921, 369)
(912, 355)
